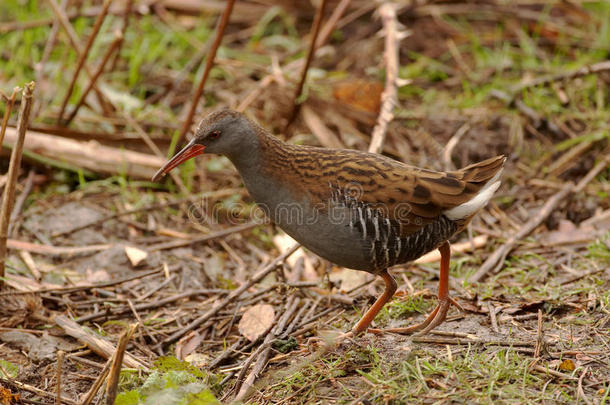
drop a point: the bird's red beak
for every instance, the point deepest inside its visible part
(191, 150)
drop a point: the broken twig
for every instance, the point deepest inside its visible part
(97, 345)
(117, 364)
(60, 361)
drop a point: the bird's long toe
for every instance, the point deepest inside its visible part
(434, 319)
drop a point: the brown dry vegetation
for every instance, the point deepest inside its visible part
(528, 79)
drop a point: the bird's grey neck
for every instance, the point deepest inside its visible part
(247, 156)
(256, 149)
(258, 165)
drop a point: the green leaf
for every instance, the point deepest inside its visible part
(204, 397)
(170, 363)
(10, 368)
(589, 137)
(128, 398)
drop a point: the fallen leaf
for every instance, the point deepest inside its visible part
(7, 397)
(38, 348)
(214, 266)
(361, 94)
(461, 247)
(135, 255)
(197, 359)
(567, 365)
(283, 242)
(568, 232)
(97, 276)
(348, 279)
(256, 321)
(188, 344)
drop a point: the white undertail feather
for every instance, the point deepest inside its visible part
(477, 202)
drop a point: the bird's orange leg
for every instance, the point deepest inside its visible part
(390, 289)
(438, 315)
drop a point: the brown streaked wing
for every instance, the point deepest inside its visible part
(414, 197)
(411, 197)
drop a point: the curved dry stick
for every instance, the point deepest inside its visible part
(315, 30)
(448, 149)
(580, 392)
(208, 66)
(83, 56)
(387, 11)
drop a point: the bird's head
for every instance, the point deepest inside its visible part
(225, 132)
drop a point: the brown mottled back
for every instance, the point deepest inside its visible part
(377, 180)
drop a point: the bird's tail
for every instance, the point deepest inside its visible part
(484, 176)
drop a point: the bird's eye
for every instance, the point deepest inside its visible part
(214, 135)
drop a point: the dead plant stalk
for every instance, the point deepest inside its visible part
(315, 30)
(74, 41)
(13, 171)
(389, 99)
(111, 49)
(83, 56)
(117, 363)
(10, 101)
(224, 20)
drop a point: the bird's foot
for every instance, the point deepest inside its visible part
(436, 317)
